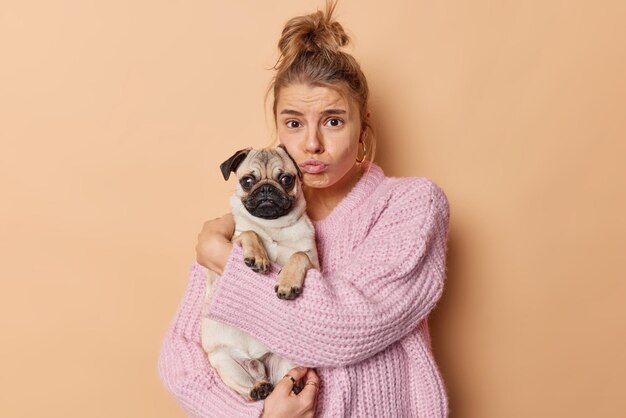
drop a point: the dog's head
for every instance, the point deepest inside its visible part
(269, 181)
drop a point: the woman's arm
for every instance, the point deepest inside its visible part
(183, 365)
(384, 290)
(214, 246)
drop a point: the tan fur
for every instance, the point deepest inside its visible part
(291, 277)
(253, 249)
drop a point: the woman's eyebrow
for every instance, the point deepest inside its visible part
(324, 112)
(291, 112)
(334, 112)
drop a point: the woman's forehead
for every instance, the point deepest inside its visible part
(312, 98)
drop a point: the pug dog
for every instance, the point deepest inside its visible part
(271, 225)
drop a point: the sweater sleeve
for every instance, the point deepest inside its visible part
(390, 283)
(184, 368)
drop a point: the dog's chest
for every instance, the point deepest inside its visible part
(280, 243)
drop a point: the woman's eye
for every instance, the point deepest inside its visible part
(334, 122)
(247, 182)
(293, 124)
(286, 180)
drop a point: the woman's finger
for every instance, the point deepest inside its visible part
(285, 384)
(311, 386)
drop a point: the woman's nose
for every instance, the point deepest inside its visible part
(313, 142)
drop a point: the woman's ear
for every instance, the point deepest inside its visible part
(365, 125)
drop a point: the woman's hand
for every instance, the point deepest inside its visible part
(283, 403)
(214, 246)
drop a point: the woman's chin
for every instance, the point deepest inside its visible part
(316, 181)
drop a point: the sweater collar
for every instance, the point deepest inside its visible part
(372, 176)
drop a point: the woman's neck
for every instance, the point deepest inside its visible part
(321, 201)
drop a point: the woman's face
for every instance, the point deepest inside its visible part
(320, 129)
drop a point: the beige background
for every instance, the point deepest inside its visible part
(114, 117)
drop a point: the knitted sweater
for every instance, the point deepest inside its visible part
(361, 321)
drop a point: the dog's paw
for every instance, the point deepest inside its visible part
(287, 292)
(261, 390)
(258, 264)
(287, 285)
(297, 387)
(254, 254)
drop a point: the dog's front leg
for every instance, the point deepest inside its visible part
(291, 277)
(254, 253)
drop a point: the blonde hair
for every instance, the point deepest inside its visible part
(310, 52)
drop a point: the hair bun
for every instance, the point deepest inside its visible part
(316, 32)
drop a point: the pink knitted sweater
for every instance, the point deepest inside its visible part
(361, 321)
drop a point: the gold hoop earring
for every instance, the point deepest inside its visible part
(360, 160)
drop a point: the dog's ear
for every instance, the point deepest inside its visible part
(292, 160)
(231, 165)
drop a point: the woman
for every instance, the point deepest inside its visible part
(361, 322)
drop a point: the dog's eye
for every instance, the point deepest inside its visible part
(247, 182)
(286, 180)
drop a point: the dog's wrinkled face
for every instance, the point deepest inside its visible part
(268, 181)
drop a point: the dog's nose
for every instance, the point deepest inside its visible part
(266, 191)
